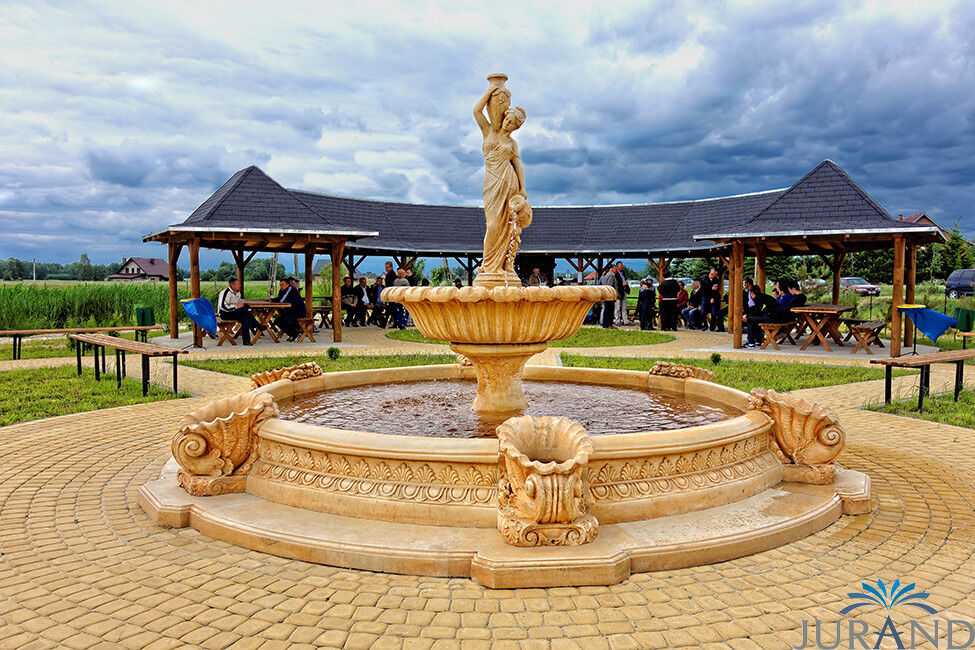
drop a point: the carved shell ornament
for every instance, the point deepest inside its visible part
(680, 371)
(219, 439)
(294, 373)
(806, 433)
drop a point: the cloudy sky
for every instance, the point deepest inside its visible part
(120, 118)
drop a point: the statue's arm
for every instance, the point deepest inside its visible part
(479, 116)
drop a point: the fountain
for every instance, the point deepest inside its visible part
(679, 471)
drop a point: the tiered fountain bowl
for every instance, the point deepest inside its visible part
(498, 329)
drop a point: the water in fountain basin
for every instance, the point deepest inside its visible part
(442, 409)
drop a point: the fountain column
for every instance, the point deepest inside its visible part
(498, 369)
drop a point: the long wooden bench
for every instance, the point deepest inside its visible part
(924, 362)
(98, 343)
(141, 332)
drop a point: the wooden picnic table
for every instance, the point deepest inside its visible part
(98, 343)
(924, 361)
(18, 336)
(264, 311)
(824, 322)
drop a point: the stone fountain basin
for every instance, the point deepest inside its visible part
(452, 482)
(498, 315)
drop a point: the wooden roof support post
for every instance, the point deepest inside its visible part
(897, 298)
(661, 269)
(760, 278)
(309, 281)
(838, 258)
(174, 250)
(910, 273)
(337, 253)
(194, 245)
(734, 292)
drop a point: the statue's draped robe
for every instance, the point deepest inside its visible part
(500, 184)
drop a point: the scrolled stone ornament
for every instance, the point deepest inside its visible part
(681, 371)
(543, 482)
(294, 373)
(808, 436)
(217, 444)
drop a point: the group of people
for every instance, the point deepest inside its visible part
(761, 307)
(232, 306)
(704, 307)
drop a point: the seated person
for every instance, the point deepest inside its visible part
(400, 316)
(349, 301)
(783, 303)
(798, 297)
(682, 297)
(378, 317)
(363, 302)
(286, 321)
(231, 306)
(761, 311)
(692, 314)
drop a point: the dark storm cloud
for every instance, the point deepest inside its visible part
(120, 119)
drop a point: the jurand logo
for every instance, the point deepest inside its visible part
(938, 632)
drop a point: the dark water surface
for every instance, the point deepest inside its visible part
(442, 409)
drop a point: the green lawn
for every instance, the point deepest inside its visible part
(247, 367)
(44, 392)
(937, 408)
(45, 348)
(746, 375)
(587, 337)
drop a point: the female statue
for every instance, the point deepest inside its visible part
(504, 178)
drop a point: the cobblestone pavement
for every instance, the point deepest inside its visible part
(81, 566)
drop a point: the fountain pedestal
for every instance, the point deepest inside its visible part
(498, 369)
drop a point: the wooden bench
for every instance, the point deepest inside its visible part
(141, 332)
(228, 330)
(98, 342)
(776, 333)
(306, 329)
(924, 361)
(866, 334)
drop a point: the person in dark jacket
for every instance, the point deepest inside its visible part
(692, 314)
(390, 275)
(286, 321)
(763, 310)
(609, 306)
(667, 293)
(646, 305)
(349, 301)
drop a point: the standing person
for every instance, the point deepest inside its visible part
(231, 306)
(537, 278)
(400, 316)
(622, 290)
(667, 293)
(609, 280)
(646, 304)
(390, 275)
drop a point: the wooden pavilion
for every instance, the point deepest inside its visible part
(824, 213)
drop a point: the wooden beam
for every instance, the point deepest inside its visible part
(239, 263)
(337, 253)
(309, 282)
(897, 298)
(174, 250)
(760, 278)
(661, 269)
(910, 263)
(735, 287)
(837, 266)
(195, 285)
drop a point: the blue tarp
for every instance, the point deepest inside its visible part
(932, 323)
(201, 313)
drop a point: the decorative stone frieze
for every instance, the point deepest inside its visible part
(294, 373)
(217, 443)
(808, 436)
(680, 371)
(543, 482)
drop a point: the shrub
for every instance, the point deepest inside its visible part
(334, 353)
(715, 358)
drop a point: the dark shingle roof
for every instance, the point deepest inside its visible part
(824, 201)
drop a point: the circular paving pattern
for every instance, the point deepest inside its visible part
(82, 566)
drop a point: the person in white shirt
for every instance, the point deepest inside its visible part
(231, 306)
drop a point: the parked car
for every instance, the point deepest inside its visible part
(961, 282)
(859, 286)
